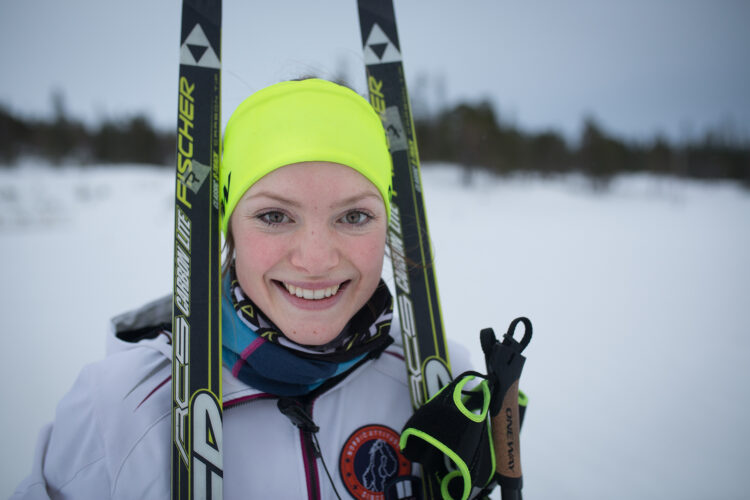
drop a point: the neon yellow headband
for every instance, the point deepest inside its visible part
(299, 121)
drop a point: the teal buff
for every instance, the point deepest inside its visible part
(261, 356)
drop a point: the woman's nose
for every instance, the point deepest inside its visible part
(315, 251)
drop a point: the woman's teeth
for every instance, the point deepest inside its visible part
(304, 293)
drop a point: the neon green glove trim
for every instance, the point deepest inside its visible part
(457, 400)
(492, 454)
(462, 468)
(523, 400)
(444, 484)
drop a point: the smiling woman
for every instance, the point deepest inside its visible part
(306, 178)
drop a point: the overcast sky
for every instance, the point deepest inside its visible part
(638, 66)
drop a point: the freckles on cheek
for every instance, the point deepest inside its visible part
(259, 252)
(267, 252)
(371, 254)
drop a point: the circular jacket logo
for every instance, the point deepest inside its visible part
(369, 459)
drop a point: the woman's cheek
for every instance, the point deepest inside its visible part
(264, 251)
(256, 251)
(371, 255)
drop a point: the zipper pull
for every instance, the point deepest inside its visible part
(297, 415)
(316, 446)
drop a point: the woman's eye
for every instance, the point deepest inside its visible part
(356, 218)
(273, 218)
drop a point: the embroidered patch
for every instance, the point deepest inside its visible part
(369, 459)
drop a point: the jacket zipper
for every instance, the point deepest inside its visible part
(310, 455)
(300, 415)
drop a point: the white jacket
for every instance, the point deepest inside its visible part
(111, 435)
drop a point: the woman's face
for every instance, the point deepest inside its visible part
(309, 246)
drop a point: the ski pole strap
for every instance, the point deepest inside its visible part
(454, 424)
(504, 359)
(504, 366)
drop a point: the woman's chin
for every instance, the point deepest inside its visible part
(310, 335)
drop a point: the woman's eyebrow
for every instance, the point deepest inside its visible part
(274, 196)
(352, 200)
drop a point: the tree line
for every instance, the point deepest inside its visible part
(63, 140)
(469, 135)
(472, 136)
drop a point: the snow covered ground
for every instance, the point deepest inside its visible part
(639, 370)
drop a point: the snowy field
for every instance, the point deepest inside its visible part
(639, 370)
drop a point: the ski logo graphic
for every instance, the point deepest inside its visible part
(379, 49)
(181, 382)
(196, 51)
(406, 308)
(199, 174)
(397, 140)
(436, 375)
(207, 447)
(424, 380)
(389, 115)
(182, 262)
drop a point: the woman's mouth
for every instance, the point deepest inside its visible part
(312, 293)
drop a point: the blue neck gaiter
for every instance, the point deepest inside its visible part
(259, 354)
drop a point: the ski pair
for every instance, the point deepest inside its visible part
(196, 381)
(197, 342)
